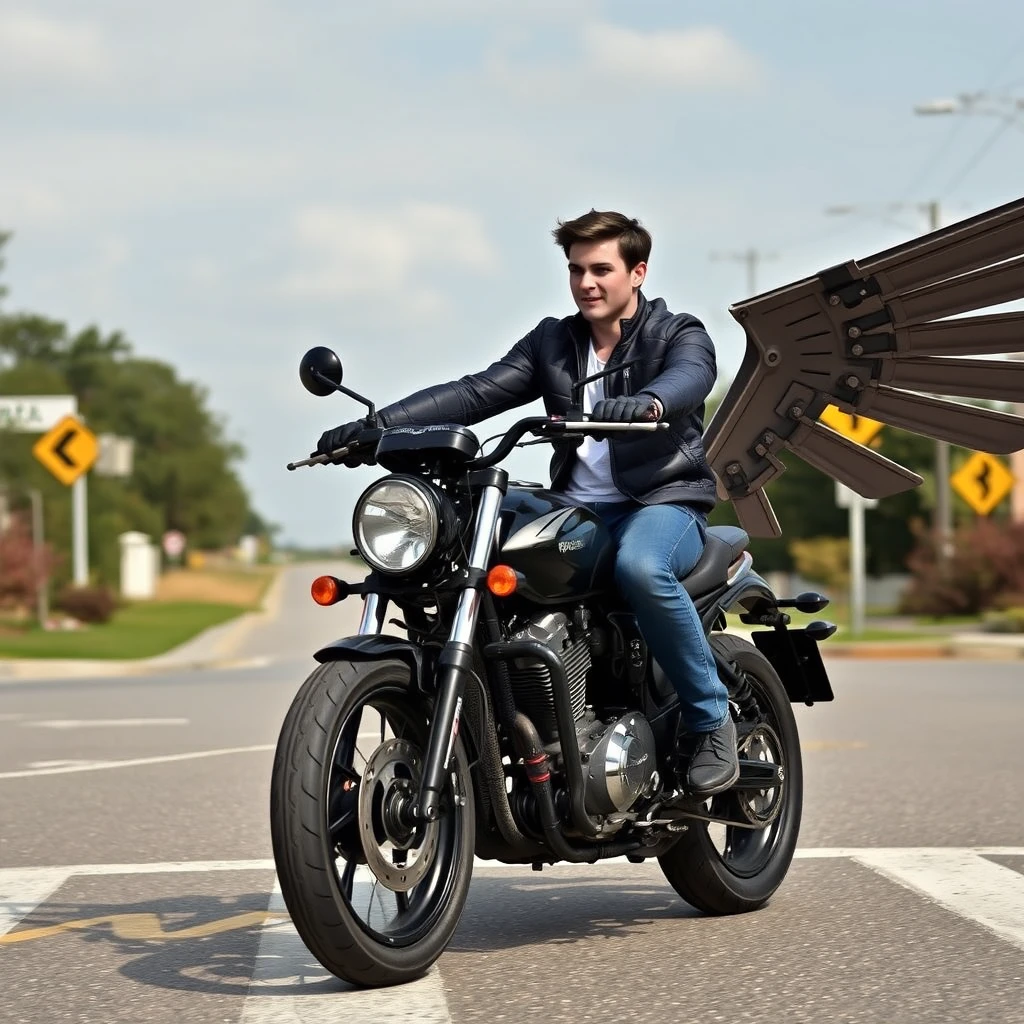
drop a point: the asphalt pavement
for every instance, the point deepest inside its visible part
(137, 882)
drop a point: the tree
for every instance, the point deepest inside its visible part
(24, 568)
(185, 473)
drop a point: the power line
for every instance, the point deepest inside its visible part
(978, 156)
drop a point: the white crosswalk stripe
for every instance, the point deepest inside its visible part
(282, 959)
(961, 881)
(287, 983)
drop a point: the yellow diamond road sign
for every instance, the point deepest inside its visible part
(68, 449)
(982, 481)
(857, 428)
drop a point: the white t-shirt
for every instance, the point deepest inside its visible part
(591, 478)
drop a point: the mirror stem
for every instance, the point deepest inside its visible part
(371, 416)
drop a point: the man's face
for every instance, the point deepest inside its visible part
(603, 289)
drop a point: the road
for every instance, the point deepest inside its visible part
(136, 880)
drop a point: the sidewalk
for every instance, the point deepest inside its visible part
(217, 647)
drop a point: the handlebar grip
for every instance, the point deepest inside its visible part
(614, 426)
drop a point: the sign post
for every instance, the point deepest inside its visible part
(860, 430)
(68, 450)
(849, 499)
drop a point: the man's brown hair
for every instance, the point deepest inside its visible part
(600, 226)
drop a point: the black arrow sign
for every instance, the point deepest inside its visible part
(983, 480)
(58, 448)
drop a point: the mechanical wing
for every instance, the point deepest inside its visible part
(880, 337)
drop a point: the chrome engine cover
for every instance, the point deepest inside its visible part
(619, 762)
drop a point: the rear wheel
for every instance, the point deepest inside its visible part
(375, 901)
(730, 869)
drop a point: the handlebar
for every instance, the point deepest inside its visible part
(540, 425)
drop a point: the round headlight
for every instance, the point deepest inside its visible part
(396, 524)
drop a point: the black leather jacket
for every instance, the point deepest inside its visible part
(677, 366)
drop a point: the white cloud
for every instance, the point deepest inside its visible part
(696, 57)
(37, 49)
(402, 254)
(611, 58)
(28, 203)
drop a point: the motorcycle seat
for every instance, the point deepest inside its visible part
(724, 545)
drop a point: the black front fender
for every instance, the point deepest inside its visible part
(379, 647)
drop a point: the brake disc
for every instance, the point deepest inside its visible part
(761, 806)
(399, 857)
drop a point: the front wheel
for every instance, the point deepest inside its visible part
(732, 869)
(374, 902)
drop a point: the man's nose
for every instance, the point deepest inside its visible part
(587, 282)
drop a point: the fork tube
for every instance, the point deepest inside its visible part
(374, 608)
(455, 662)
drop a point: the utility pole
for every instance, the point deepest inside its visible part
(752, 258)
(1009, 109)
(942, 521)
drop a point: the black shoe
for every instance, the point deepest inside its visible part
(714, 765)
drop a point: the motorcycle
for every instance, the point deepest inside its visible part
(517, 716)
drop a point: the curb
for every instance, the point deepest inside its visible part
(222, 642)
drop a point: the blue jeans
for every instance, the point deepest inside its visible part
(657, 544)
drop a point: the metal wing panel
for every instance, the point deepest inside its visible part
(855, 335)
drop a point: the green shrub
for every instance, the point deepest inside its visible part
(87, 604)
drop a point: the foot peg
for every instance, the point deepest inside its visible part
(759, 775)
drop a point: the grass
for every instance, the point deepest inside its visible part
(136, 631)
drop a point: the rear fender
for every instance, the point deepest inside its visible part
(751, 594)
(381, 647)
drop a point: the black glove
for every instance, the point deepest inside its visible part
(339, 437)
(631, 409)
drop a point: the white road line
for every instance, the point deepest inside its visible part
(171, 867)
(282, 960)
(980, 890)
(811, 853)
(97, 766)
(23, 889)
(10, 718)
(65, 763)
(102, 723)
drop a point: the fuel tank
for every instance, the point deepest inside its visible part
(563, 551)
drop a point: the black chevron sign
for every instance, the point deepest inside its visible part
(58, 448)
(68, 449)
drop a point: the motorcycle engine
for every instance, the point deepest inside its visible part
(532, 685)
(619, 761)
(619, 755)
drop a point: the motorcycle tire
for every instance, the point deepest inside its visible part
(337, 845)
(742, 872)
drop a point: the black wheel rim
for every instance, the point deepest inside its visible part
(392, 918)
(746, 852)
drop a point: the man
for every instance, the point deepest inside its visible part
(652, 489)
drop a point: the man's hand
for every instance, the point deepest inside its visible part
(339, 437)
(632, 409)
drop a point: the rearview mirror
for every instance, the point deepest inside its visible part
(320, 371)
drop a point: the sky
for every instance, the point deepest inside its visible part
(230, 183)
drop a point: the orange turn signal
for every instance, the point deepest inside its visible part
(502, 581)
(325, 590)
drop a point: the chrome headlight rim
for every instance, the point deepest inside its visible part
(432, 501)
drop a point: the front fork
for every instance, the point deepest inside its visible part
(456, 659)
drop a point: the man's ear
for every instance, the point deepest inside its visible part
(637, 274)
